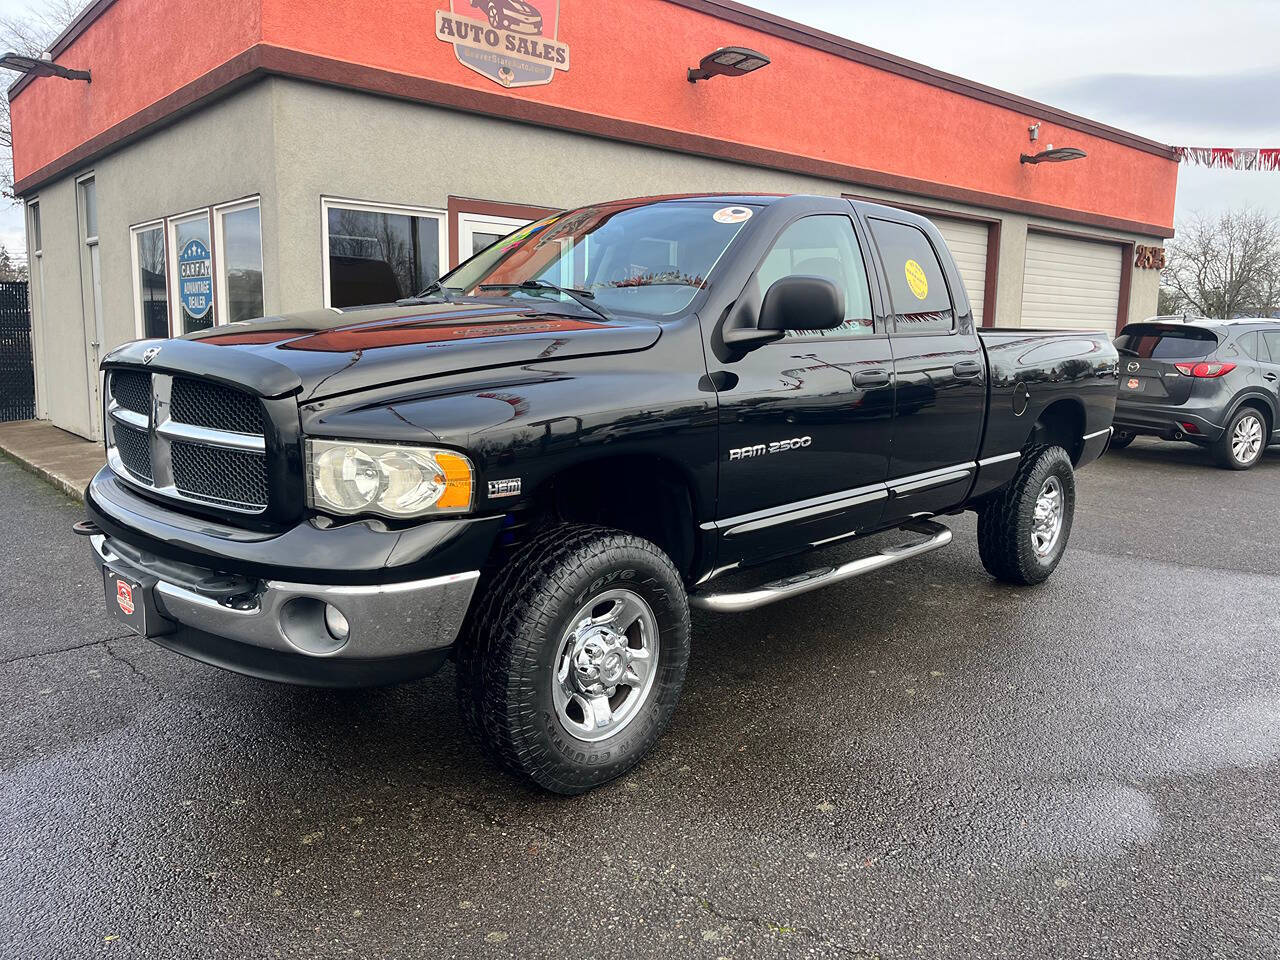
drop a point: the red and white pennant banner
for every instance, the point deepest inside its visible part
(1231, 158)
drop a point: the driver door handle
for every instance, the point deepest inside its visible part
(1273, 377)
(967, 369)
(877, 377)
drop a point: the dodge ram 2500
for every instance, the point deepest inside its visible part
(539, 464)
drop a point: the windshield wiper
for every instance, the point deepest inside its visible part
(425, 295)
(583, 297)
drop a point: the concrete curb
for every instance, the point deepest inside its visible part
(64, 484)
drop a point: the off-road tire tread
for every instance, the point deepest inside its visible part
(999, 544)
(494, 642)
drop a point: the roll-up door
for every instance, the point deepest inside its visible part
(967, 240)
(1070, 283)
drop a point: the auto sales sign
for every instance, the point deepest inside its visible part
(509, 41)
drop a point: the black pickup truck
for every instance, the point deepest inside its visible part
(538, 465)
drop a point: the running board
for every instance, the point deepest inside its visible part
(938, 536)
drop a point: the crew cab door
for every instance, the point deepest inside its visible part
(805, 421)
(940, 372)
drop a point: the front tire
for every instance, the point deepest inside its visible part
(1241, 444)
(1023, 532)
(572, 663)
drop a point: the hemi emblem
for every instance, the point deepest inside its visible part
(504, 488)
(124, 597)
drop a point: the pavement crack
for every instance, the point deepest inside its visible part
(132, 667)
(774, 926)
(53, 653)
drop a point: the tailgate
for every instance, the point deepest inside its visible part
(1149, 354)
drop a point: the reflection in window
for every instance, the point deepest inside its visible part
(917, 287)
(377, 257)
(241, 256)
(153, 288)
(823, 246)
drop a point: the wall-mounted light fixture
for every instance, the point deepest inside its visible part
(42, 66)
(728, 62)
(1053, 156)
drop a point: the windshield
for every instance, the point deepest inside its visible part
(650, 259)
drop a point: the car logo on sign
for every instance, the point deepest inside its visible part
(1134, 366)
(124, 597)
(149, 354)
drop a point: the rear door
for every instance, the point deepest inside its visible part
(940, 390)
(1148, 354)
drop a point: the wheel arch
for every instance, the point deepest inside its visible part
(1253, 398)
(647, 494)
(1061, 424)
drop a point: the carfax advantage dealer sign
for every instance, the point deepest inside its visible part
(509, 41)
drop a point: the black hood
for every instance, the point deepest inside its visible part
(324, 353)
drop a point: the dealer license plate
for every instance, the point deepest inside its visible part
(127, 600)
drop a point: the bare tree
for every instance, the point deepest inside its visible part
(1228, 266)
(29, 34)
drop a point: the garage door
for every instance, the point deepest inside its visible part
(1070, 283)
(968, 243)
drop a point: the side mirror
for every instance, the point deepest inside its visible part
(802, 303)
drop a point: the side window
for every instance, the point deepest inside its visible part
(917, 287)
(823, 246)
(1271, 345)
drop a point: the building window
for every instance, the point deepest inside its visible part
(37, 244)
(375, 253)
(150, 281)
(239, 246)
(191, 266)
(475, 232)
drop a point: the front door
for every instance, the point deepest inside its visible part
(805, 422)
(940, 373)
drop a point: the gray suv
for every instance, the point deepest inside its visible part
(1212, 382)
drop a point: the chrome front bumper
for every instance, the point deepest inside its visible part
(385, 620)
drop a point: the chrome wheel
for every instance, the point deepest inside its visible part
(1246, 439)
(605, 665)
(1046, 524)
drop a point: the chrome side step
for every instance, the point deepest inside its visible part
(938, 536)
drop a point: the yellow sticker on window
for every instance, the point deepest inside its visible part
(916, 280)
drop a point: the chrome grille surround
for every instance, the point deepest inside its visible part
(238, 483)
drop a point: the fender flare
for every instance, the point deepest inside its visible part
(1253, 393)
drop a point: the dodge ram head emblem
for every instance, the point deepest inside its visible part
(149, 354)
(1134, 366)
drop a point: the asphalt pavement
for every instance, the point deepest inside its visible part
(923, 763)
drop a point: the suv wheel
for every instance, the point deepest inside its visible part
(1241, 444)
(572, 662)
(1023, 532)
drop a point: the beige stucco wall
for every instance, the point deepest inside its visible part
(292, 143)
(215, 155)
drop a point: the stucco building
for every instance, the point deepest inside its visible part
(259, 156)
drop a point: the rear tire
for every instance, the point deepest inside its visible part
(1120, 440)
(1241, 445)
(580, 611)
(1023, 532)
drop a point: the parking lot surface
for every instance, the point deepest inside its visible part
(920, 763)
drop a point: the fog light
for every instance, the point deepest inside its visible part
(337, 624)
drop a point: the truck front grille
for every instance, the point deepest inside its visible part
(214, 406)
(134, 448)
(188, 439)
(219, 476)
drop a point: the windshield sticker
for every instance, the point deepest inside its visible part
(916, 280)
(733, 215)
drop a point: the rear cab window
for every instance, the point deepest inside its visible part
(917, 287)
(1159, 342)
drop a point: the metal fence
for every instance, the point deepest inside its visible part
(17, 379)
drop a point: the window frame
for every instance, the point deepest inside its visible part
(891, 310)
(171, 251)
(879, 328)
(139, 323)
(328, 203)
(218, 212)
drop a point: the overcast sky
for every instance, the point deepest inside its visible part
(1188, 72)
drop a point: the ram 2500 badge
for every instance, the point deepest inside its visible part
(539, 464)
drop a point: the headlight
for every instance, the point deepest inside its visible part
(395, 481)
